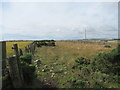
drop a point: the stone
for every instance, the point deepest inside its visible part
(45, 66)
(51, 70)
(37, 62)
(65, 72)
(43, 70)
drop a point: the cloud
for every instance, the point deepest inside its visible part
(63, 20)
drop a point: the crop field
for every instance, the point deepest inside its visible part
(21, 44)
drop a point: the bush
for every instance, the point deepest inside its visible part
(82, 60)
(28, 72)
(27, 68)
(77, 83)
(107, 46)
(101, 72)
(26, 58)
(110, 62)
(72, 79)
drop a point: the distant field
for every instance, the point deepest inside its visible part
(61, 58)
(21, 44)
(65, 50)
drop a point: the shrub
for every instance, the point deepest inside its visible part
(26, 58)
(28, 72)
(77, 83)
(82, 60)
(107, 46)
(27, 68)
(72, 79)
(102, 71)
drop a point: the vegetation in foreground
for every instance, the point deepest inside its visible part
(79, 65)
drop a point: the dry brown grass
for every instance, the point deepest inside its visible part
(70, 50)
(86, 49)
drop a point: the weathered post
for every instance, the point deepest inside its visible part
(3, 54)
(14, 72)
(15, 47)
(29, 49)
(34, 46)
(32, 49)
(2, 61)
(21, 52)
(26, 50)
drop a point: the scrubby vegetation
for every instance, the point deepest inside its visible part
(66, 66)
(74, 64)
(28, 69)
(27, 58)
(101, 72)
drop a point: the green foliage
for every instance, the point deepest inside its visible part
(77, 83)
(27, 57)
(101, 72)
(82, 60)
(109, 61)
(28, 72)
(72, 79)
(28, 69)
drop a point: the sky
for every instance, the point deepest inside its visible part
(58, 20)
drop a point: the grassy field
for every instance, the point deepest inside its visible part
(21, 44)
(71, 50)
(57, 62)
(57, 65)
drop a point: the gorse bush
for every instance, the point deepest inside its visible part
(109, 61)
(82, 60)
(28, 69)
(27, 57)
(107, 46)
(101, 72)
(28, 73)
(75, 83)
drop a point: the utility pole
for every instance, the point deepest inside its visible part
(85, 33)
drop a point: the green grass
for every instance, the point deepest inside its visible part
(61, 58)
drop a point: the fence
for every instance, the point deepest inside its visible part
(2, 59)
(12, 63)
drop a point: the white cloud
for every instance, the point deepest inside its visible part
(60, 20)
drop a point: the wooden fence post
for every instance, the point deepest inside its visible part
(3, 54)
(21, 52)
(14, 72)
(15, 47)
(26, 50)
(32, 49)
(29, 49)
(2, 60)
